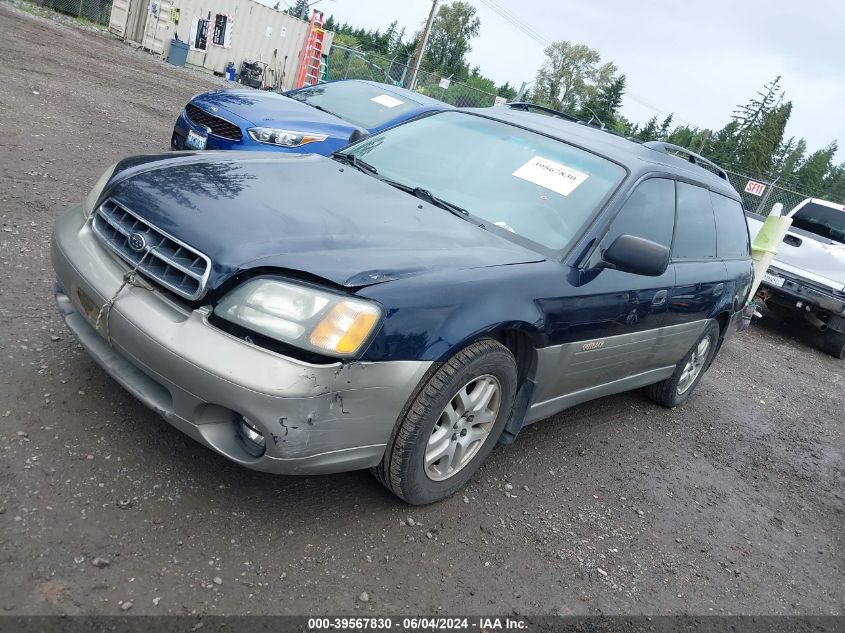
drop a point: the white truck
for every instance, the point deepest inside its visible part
(807, 276)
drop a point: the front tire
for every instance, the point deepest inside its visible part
(451, 425)
(678, 387)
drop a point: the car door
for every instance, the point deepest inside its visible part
(700, 275)
(734, 249)
(612, 322)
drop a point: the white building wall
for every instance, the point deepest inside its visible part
(258, 33)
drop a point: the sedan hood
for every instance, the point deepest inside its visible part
(269, 109)
(306, 213)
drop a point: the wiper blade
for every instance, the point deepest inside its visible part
(425, 194)
(357, 163)
(321, 109)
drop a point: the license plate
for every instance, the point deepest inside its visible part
(773, 280)
(195, 140)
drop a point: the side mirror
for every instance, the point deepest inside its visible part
(357, 135)
(637, 255)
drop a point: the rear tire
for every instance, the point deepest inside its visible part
(451, 425)
(678, 387)
(834, 344)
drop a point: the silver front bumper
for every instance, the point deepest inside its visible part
(315, 418)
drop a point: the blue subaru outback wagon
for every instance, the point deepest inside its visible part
(459, 277)
(315, 119)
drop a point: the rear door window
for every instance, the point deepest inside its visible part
(648, 213)
(695, 234)
(731, 228)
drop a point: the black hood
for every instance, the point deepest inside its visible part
(304, 213)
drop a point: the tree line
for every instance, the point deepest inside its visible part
(574, 79)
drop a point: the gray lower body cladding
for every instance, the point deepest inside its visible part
(314, 418)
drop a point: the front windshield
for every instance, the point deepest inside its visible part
(537, 187)
(365, 105)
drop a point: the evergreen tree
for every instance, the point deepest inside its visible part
(833, 187)
(811, 175)
(758, 144)
(722, 146)
(605, 103)
(789, 157)
(649, 131)
(750, 114)
(663, 132)
(299, 9)
(507, 91)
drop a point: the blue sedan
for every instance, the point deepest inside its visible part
(316, 119)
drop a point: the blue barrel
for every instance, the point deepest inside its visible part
(178, 52)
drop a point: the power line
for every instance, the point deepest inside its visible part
(516, 22)
(545, 42)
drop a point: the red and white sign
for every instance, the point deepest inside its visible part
(755, 188)
(499, 101)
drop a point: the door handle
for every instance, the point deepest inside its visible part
(659, 298)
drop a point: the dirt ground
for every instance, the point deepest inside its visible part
(734, 503)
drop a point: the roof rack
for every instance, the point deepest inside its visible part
(528, 107)
(695, 159)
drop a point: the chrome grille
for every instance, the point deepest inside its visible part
(166, 261)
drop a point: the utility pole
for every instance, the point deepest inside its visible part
(421, 46)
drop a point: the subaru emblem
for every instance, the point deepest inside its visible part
(137, 242)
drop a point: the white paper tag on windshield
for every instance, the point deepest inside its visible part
(550, 175)
(387, 101)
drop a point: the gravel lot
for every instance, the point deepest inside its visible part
(733, 503)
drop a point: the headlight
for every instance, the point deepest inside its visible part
(285, 138)
(305, 317)
(93, 196)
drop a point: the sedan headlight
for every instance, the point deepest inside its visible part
(92, 197)
(302, 316)
(284, 138)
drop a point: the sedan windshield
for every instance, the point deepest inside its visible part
(365, 105)
(526, 183)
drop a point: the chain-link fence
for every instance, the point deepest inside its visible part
(348, 63)
(97, 11)
(759, 195)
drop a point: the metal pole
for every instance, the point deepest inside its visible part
(421, 46)
(766, 195)
(521, 94)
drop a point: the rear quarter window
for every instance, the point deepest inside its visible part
(695, 233)
(731, 228)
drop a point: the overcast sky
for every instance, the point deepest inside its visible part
(696, 59)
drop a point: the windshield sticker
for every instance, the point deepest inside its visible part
(387, 101)
(551, 175)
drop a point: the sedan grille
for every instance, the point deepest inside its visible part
(218, 126)
(166, 261)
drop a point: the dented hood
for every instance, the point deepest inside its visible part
(303, 213)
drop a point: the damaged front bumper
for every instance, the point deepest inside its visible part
(313, 418)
